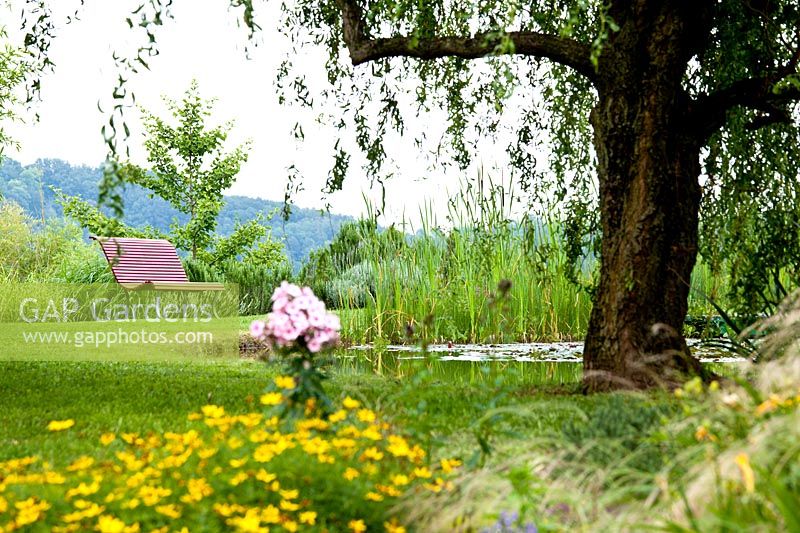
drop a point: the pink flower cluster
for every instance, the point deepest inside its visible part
(297, 316)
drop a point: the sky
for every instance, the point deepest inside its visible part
(207, 45)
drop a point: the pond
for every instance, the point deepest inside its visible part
(556, 352)
(554, 363)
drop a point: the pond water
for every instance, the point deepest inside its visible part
(534, 352)
(556, 363)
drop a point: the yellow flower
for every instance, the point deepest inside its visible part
(289, 506)
(271, 398)
(196, 490)
(130, 438)
(238, 463)
(373, 453)
(393, 527)
(389, 490)
(343, 444)
(171, 510)
(398, 446)
(400, 480)
(338, 416)
(152, 495)
(702, 434)
(250, 522)
(60, 425)
(107, 438)
(30, 511)
(3, 505)
(374, 496)
(290, 494)
(213, 411)
(270, 515)
(766, 406)
(350, 403)
(438, 485)
(448, 465)
(290, 525)
(422, 472)
(205, 453)
(238, 479)
(357, 526)
(53, 478)
(285, 382)
(308, 517)
(365, 415)
(371, 433)
(110, 524)
(132, 503)
(83, 490)
(350, 474)
(81, 463)
(748, 477)
(266, 477)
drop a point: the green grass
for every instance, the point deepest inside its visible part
(157, 396)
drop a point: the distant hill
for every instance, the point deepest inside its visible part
(30, 186)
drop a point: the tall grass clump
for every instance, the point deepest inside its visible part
(717, 457)
(485, 278)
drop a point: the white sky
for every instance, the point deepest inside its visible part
(206, 44)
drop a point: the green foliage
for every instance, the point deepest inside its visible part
(34, 251)
(98, 223)
(618, 425)
(338, 272)
(256, 281)
(12, 74)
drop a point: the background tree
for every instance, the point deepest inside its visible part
(190, 170)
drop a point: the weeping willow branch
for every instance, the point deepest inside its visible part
(364, 48)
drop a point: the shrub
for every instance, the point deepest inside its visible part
(256, 283)
(54, 250)
(353, 288)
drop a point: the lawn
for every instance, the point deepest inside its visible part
(157, 396)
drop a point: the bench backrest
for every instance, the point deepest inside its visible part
(142, 260)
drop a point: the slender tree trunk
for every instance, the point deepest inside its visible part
(648, 167)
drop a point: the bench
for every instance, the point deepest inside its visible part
(148, 264)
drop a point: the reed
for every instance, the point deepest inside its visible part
(486, 275)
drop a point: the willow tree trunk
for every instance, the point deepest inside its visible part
(648, 167)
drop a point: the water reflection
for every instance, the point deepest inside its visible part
(556, 352)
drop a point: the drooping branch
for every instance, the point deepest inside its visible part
(754, 93)
(758, 93)
(364, 48)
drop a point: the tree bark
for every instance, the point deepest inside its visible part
(648, 155)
